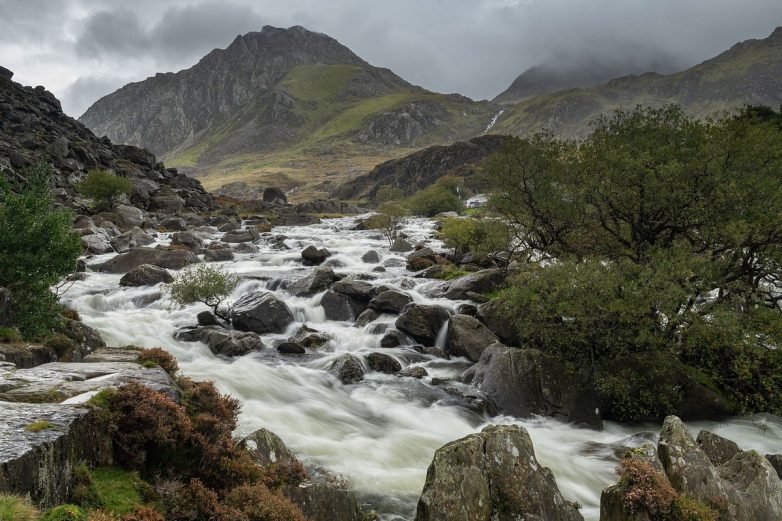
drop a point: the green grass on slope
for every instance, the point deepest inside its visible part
(318, 82)
(119, 491)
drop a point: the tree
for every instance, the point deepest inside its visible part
(436, 198)
(387, 193)
(37, 249)
(479, 236)
(205, 284)
(104, 187)
(390, 218)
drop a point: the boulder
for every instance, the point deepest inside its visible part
(261, 313)
(169, 259)
(422, 322)
(526, 382)
(247, 235)
(113, 354)
(291, 348)
(85, 338)
(367, 316)
(133, 238)
(246, 247)
(97, 243)
(218, 254)
(5, 307)
(371, 257)
(483, 281)
(467, 337)
(718, 449)
(414, 372)
(315, 256)
(492, 475)
(390, 301)
(776, 462)
(400, 246)
(24, 356)
(492, 316)
(41, 463)
(421, 259)
(146, 275)
(348, 369)
(274, 195)
(170, 204)
(187, 240)
(316, 282)
(394, 338)
(308, 337)
(339, 306)
(127, 217)
(383, 363)
(325, 500)
(207, 318)
(174, 224)
(266, 448)
(356, 289)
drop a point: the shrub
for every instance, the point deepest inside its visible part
(646, 489)
(479, 236)
(685, 508)
(71, 314)
(435, 199)
(143, 513)
(9, 335)
(64, 513)
(205, 284)
(17, 508)
(258, 503)
(278, 474)
(159, 357)
(37, 249)
(191, 502)
(100, 515)
(104, 187)
(387, 193)
(390, 219)
(61, 345)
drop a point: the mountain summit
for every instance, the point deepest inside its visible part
(282, 106)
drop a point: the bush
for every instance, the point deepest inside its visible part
(83, 492)
(159, 357)
(258, 503)
(387, 193)
(191, 502)
(647, 490)
(64, 513)
(9, 335)
(37, 249)
(100, 515)
(104, 187)
(435, 199)
(278, 474)
(477, 236)
(205, 284)
(17, 508)
(71, 314)
(61, 345)
(389, 219)
(143, 513)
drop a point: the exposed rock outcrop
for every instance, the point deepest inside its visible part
(261, 313)
(422, 322)
(169, 259)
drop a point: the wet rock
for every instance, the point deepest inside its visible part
(169, 259)
(492, 475)
(207, 318)
(718, 449)
(383, 363)
(371, 257)
(348, 369)
(266, 448)
(401, 246)
(422, 322)
(96, 243)
(133, 238)
(246, 247)
(390, 301)
(187, 240)
(274, 195)
(526, 382)
(414, 372)
(128, 217)
(146, 275)
(291, 348)
(326, 500)
(317, 281)
(467, 309)
(24, 356)
(494, 317)
(341, 307)
(378, 269)
(308, 337)
(776, 462)
(357, 289)
(261, 313)
(85, 338)
(484, 281)
(394, 338)
(41, 463)
(218, 254)
(174, 224)
(222, 341)
(421, 259)
(467, 337)
(5, 307)
(367, 316)
(315, 256)
(247, 235)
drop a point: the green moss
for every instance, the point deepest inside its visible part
(119, 491)
(102, 398)
(39, 426)
(450, 272)
(9, 335)
(64, 513)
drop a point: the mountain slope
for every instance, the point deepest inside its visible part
(749, 73)
(287, 107)
(33, 128)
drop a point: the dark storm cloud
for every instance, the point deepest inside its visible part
(82, 49)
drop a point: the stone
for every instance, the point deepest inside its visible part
(492, 475)
(274, 195)
(207, 318)
(169, 259)
(492, 315)
(414, 372)
(96, 243)
(776, 462)
(113, 354)
(484, 281)
(467, 337)
(308, 337)
(24, 356)
(246, 247)
(128, 217)
(371, 257)
(401, 246)
(187, 239)
(261, 313)
(133, 238)
(718, 449)
(170, 204)
(325, 500)
(383, 363)
(315, 256)
(338, 306)
(421, 259)
(347, 368)
(357, 289)
(42, 463)
(526, 382)
(249, 234)
(423, 322)
(174, 224)
(390, 301)
(266, 448)
(291, 348)
(367, 316)
(146, 275)
(221, 341)
(316, 282)
(85, 338)
(218, 255)
(394, 338)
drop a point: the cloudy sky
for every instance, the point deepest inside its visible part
(83, 49)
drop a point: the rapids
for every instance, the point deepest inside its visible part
(381, 433)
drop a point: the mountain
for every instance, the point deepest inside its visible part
(748, 73)
(570, 72)
(33, 127)
(287, 107)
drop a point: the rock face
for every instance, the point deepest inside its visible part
(36, 128)
(41, 462)
(24, 356)
(492, 315)
(467, 337)
(491, 475)
(526, 382)
(479, 282)
(422, 322)
(146, 275)
(169, 259)
(261, 313)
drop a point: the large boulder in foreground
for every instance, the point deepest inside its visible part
(526, 382)
(492, 476)
(146, 275)
(169, 259)
(468, 337)
(261, 313)
(480, 282)
(422, 322)
(42, 444)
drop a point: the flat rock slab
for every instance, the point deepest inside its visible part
(113, 354)
(58, 381)
(40, 461)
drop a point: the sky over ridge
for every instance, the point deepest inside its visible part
(84, 49)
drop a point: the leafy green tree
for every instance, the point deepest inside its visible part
(434, 199)
(205, 284)
(479, 236)
(387, 193)
(104, 187)
(390, 218)
(37, 249)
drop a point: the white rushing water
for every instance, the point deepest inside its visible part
(380, 434)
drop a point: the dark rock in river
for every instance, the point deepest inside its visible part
(348, 369)
(261, 313)
(383, 363)
(169, 259)
(422, 322)
(146, 275)
(467, 337)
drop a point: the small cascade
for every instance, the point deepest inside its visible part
(442, 336)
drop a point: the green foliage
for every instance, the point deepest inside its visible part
(37, 249)
(104, 187)
(477, 236)
(387, 193)
(117, 490)
(64, 513)
(389, 219)
(436, 198)
(82, 491)
(9, 335)
(204, 283)
(39, 426)
(650, 236)
(61, 344)
(17, 508)
(450, 272)
(157, 356)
